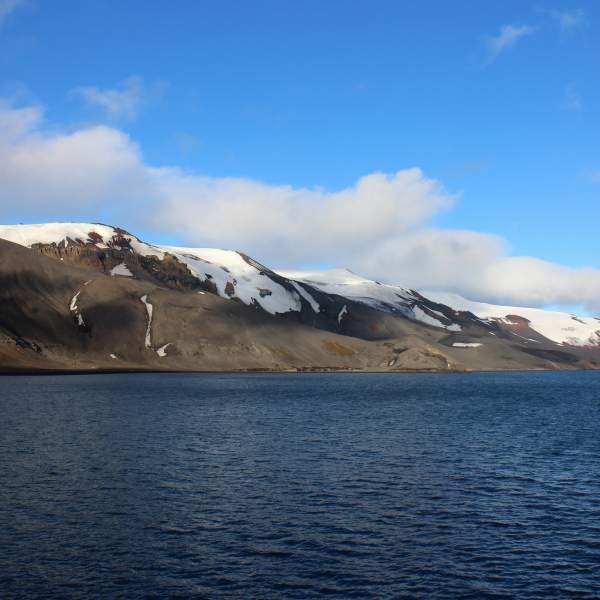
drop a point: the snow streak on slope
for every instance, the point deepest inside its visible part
(73, 304)
(149, 309)
(75, 309)
(313, 303)
(560, 327)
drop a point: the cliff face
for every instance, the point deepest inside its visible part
(167, 271)
(81, 296)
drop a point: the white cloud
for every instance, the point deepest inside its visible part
(379, 227)
(430, 258)
(122, 102)
(478, 266)
(507, 37)
(569, 21)
(17, 122)
(75, 171)
(7, 7)
(297, 223)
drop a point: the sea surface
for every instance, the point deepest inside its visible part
(300, 486)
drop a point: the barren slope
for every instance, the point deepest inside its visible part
(56, 315)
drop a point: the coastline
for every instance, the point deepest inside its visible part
(301, 371)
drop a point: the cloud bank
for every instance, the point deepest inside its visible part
(379, 227)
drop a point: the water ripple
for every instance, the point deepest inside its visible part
(300, 486)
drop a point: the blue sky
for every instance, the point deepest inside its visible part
(499, 102)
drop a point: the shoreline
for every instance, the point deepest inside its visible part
(301, 371)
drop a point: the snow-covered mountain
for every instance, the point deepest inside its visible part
(326, 299)
(383, 297)
(63, 234)
(234, 275)
(560, 327)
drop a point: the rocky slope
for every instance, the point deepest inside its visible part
(79, 296)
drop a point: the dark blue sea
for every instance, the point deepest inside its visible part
(300, 486)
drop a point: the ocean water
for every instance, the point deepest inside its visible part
(300, 486)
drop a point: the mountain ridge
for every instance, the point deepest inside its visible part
(361, 315)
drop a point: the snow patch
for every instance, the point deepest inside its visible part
(73, 305)
(235, 277)
(75, 310)
(342, 312)
(313, 303)
(438, 313)
(162, 351)
(113, 356)
(149, 309)
(466, 344)
(423, 317)
(122, 270)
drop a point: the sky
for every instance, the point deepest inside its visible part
(436, 145)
